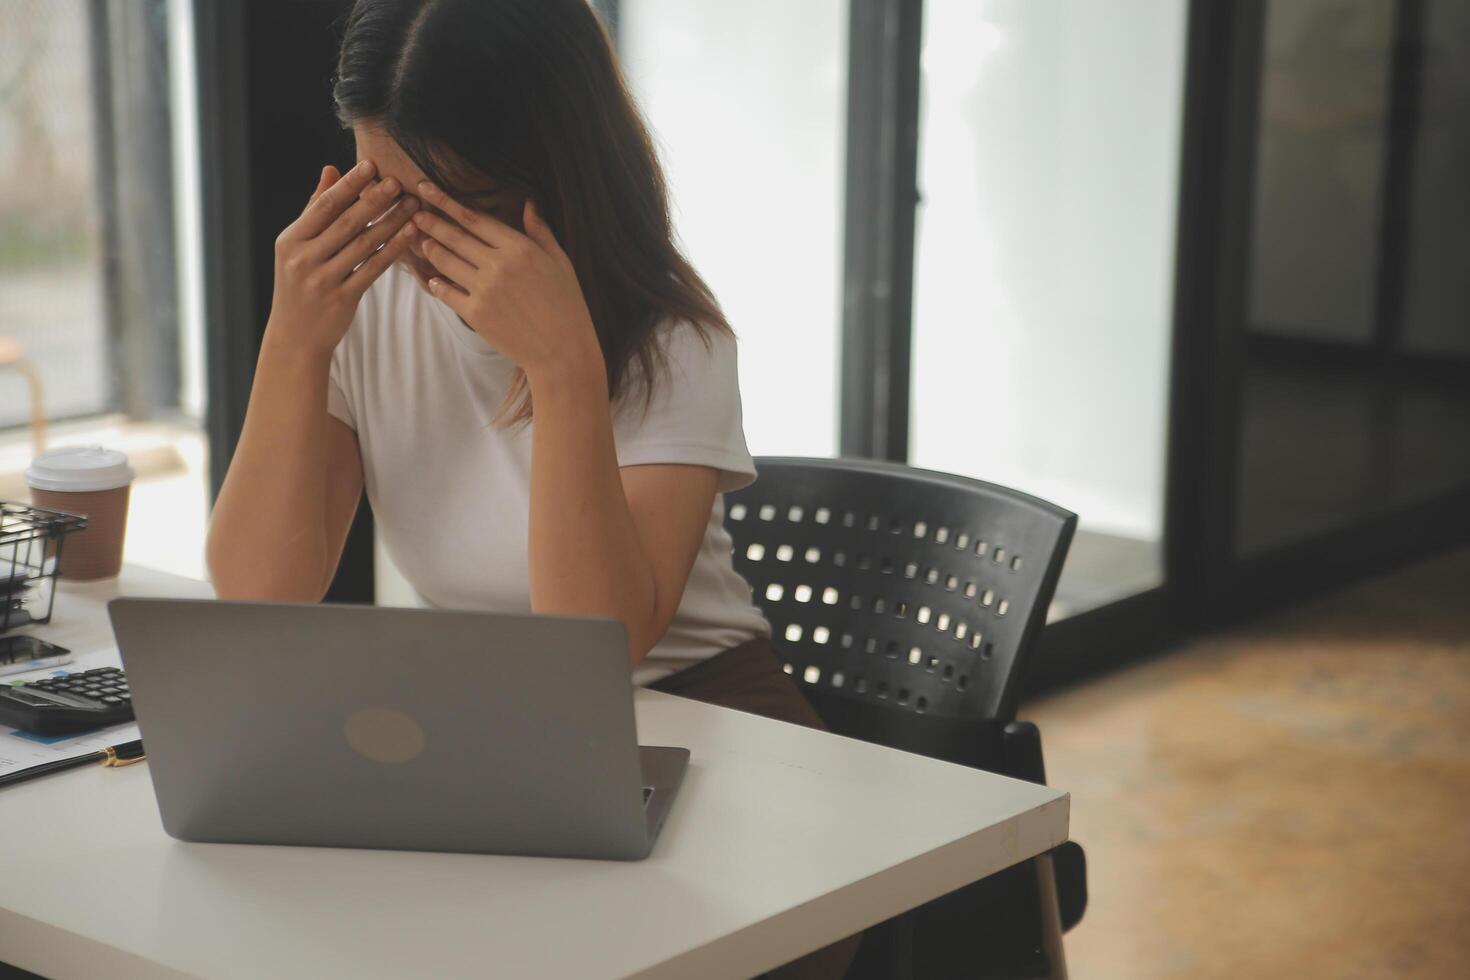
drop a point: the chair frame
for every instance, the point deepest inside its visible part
(885, 620)
(886, 576)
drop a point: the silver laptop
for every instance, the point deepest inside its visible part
(348, 726)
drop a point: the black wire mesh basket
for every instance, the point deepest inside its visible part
(31, 539)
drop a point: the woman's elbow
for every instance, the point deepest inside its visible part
(644, 636)
(236, 577)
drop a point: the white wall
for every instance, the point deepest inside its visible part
(1049, 153)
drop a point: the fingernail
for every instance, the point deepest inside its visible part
(435, 283)
(364, 167)
(422, 219)
(427, 189)
(390, 186)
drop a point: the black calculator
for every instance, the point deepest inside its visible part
(64, 705)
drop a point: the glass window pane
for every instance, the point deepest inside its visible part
(1048, 164)
(1319, 169)
(1344, 418)
(51, 289)
(747, 102)
(98, 202)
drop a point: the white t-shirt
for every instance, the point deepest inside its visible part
(451, 493)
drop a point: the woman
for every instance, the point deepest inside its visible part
(487, 326)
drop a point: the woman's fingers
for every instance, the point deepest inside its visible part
(371, 205)
(360, 249)
(456, 239)
(378, 262)
(494, 233)
(446, 261)
(321, 212)
(329, 177)
(455, 298)
(539, 231)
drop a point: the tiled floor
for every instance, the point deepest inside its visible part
(1289, 800)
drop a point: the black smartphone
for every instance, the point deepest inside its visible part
(22, 653)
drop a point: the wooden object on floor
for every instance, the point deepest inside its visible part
(12, 357)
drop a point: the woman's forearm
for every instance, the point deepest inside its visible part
(585, 553)
(268, 535)
(276, 534)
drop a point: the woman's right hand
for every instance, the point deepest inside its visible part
(327, 258)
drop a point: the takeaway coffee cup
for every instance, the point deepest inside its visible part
(95, 483)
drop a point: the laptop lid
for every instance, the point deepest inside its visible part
(352, 726)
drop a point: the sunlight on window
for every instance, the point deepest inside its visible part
(747, 102)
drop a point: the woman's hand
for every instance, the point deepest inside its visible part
(353, 228)
(518, 291)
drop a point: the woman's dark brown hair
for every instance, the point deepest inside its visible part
(527, 94)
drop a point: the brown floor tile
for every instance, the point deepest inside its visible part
(1288, 800)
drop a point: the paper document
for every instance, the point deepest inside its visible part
(22, 750)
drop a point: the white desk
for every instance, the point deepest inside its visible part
(782, 840)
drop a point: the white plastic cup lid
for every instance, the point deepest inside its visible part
(80, 469)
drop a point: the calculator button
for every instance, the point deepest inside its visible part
(111, 700)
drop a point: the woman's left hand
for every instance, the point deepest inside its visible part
(518, 291)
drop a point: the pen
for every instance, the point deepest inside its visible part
(124, 754)
(112, 756)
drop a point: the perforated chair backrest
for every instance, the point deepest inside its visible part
(916, 591)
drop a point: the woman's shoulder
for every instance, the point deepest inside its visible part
(688, 363)
(693, 414)
(695, 348)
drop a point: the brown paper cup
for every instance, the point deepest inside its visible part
(96, 551)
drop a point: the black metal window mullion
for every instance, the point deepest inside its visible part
(1396, 209)
(885, 37)
(230, 308)
(132, 140)
(104, 145)
(1216, 186)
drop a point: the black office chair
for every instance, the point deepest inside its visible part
(907, 603)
